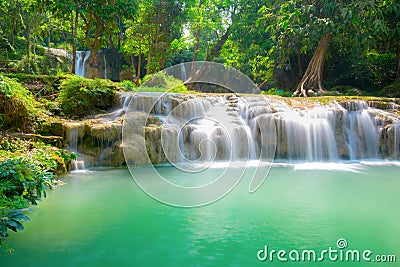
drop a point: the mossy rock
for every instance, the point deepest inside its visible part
(18, 108)
(55, 128)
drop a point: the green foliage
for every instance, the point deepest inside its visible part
(369, 73)
(23, 179)
(279, 92)
(392, 90)
(80, 96)
(41, 65)
(375, 71)
(46, 157)
(26, 169)
(161, 82)
(128, 85)
(21, 183)
(345, 90)
(18, 106)
(12, 219)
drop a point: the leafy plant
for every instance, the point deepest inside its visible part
(279, 92)
(80, 96)
(12, 219)
(19, 178)
(161, 82)
(128, 85)
(18, 106)
(392, 90)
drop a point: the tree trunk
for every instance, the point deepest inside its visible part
(93, 64)
(218, 46)
(74, 39)
(197, 36)
(312, 78)
(398, 67)
(139, 65)
(300, 64)
(28, 41)
(148, 65)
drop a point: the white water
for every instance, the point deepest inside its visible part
(81, 58)
(231, 128)
(73, 139)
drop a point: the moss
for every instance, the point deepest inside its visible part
(51, 127)
(47, 157)
(40, 85)
(18, 108)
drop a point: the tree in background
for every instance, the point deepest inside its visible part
(299, 26)
(100, 20)
(151, 32)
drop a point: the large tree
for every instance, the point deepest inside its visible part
(302, 26)
(100, 21)
(210, 24)
(151, 32)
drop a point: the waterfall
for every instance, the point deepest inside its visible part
(201, 128)
(79, 63)
(227, 127)
(73, 139)
(396, 140)
(81, 58)
(209, 127)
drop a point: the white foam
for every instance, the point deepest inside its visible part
(329, 166)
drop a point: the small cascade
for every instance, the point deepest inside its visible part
(206, 128)
(81, 58)
(396, 140)
(227, 127)
(78, 165)
(203, 128)
(307, 136)
(73, 140)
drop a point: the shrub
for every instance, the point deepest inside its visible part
(279, 92)
(27, 168)
(80, 96)
(22, 179)
(161, 82)
(392, 90)
(18, 107)
(128, 85)
(21, 183)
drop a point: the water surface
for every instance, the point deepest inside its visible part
(102, 218)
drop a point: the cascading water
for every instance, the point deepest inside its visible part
(396, 140)
(73, 138)
(232, 128)
(81, 58)
(202, 128)
(210, 127)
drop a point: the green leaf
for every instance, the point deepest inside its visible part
(18, 225)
